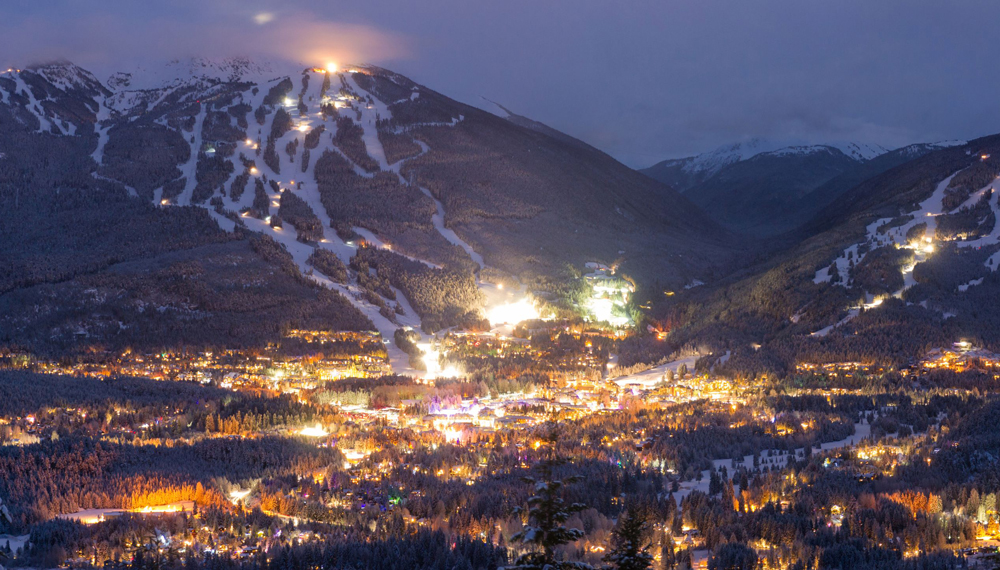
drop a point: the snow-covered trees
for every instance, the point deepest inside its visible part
(348, 140)
(328, 264)
(271, 156)
(295, 211)
(627, 551)
(547, 515)
(733, 556)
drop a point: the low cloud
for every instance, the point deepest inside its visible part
(643, 79)
(106, 40)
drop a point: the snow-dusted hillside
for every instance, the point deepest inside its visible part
(180, 95)
(327, 160)
(766, 188)
(684, 173)
(923, 232)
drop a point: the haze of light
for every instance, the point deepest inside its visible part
(512, 313)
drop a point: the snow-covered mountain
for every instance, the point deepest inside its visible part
(684, 173)
(709, 163)
(904, 259)
(186, 71)
(196, 152)
(765, 187)
(860, 151)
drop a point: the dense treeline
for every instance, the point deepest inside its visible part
(970, 180)
(348, 140)
(327, 263)
(380, 202)
(248, 292)
(144, 155)
(98, 228)
(880, 271)
(280, 124)
(397, 146)
(64, 476)
(295, 211)
(970, 222)
(389, 547)
(399, 214)
(312, 137)
(441, 297)
(211, 173)
(277, 93)
(23, 392)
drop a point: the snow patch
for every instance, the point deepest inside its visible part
(965, 286)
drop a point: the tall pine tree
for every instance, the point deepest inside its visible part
(547, 515)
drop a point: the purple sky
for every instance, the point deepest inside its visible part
(643, 80)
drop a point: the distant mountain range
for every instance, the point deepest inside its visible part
(764, 188)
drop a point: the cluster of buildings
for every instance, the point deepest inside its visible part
(960, 357)
(317, 357)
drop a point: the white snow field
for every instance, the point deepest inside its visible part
(148, 87)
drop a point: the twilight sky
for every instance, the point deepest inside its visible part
(642, 80)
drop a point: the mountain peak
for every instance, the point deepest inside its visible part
(179, 71)
(860, 151)
(713, 161)
(66, 75)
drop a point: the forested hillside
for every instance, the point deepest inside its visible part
(134, 206)
(896, 266)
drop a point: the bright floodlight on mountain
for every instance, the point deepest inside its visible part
(513, 313)
(331, 67)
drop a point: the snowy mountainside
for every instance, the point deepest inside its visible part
(375, 187)
(766, 189)
(936, 257)
(228, 70)
(903, 261)
(860, 151)
(750, 188)
(684, 173)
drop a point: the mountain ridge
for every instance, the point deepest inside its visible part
(900, 263)
(764, 188)
(322, 162)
